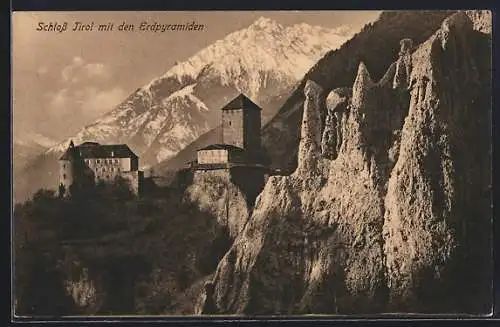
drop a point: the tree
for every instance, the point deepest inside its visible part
(43, 195)
(62, 190)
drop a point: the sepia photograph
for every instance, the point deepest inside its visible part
(251, 164)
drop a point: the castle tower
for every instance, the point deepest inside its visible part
(241, 123)
(67, 166)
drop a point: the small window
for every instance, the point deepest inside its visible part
(107, 176)
(64, 165)
(64, 176)
(98, 161)
(116, 160)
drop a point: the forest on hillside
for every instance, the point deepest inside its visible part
(103, 251)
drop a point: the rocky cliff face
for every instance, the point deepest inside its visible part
(214, 192)
(481, 19)
(439, 183)
(390, 197)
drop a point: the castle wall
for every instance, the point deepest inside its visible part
(232, 123)
(212, 156)
(126, 164)
(102, 169)
(252, 126)
(66, 173)
(107, 169)
(134, 163)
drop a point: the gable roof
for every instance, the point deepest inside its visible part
(241, 102)
(228, 147)
(96, 150)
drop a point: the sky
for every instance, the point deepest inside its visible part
(63, 81)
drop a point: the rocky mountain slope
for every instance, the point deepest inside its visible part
(389, 208)
(264, 61)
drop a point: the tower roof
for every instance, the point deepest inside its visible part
(71, 153)
(241, 102)
(228, 147)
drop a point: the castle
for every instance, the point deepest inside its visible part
(238, 158)
(90, 163)
(241, 143)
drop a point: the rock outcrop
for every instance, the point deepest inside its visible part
(482, 20)
(216, 193)
(377, 215)
(403, 65)
(433, 188)
(376, 45)
(310, 144)
(336, 104)
(82, 289)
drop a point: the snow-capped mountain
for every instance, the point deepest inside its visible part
(264, 61)
(27, 146)
(34, 139)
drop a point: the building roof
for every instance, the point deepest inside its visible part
(228, 147)
(241, 102)
(96, 150)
